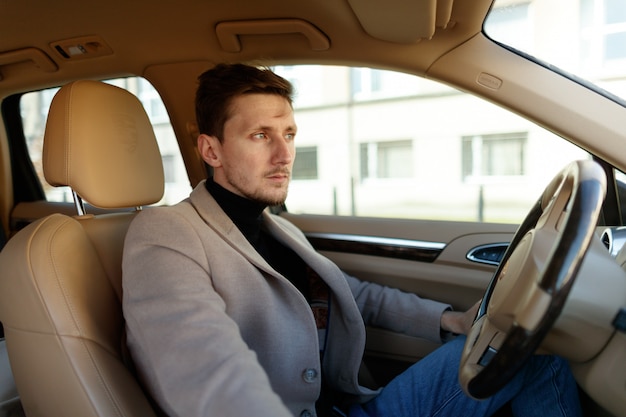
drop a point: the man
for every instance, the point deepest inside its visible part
(231, 312)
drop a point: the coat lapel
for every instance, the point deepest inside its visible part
(215, 218)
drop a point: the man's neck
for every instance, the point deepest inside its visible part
(245, 213)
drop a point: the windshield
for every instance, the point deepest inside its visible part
(586, 38)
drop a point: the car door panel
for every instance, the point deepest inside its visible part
(449, 277)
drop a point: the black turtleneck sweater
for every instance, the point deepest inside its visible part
(246, 214)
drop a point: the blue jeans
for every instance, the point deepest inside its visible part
(544, 387)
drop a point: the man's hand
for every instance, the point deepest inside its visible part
(459, 322)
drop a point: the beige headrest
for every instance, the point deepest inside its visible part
(99, 141)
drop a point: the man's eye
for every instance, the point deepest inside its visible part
(260, 135)
(290, 136)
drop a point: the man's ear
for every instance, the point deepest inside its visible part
(210, 150)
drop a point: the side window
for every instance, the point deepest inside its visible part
(384, 144)
(34, 109)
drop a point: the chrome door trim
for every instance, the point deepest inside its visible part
(415, 250)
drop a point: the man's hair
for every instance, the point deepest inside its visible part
(221, 84)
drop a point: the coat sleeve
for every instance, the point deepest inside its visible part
(189, 353)
(396, 310)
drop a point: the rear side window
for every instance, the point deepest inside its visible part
(34, 110)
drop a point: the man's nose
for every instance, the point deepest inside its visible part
(284, 151)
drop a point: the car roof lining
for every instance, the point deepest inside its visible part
(198, 38)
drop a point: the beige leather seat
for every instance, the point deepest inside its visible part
(60, 288)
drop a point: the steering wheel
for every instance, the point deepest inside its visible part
(529, 289)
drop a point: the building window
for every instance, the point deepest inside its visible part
(387, 159)
(500, 155)
(152, 102)
(615, 20)
(365, 82)
(373, 84)
(603, 31)
(169, 168)
(305, 165)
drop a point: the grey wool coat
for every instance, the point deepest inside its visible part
(214, 330)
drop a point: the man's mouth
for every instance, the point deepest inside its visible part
(278, 175)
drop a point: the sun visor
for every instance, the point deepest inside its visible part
(402, 21)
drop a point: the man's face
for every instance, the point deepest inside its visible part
(255, 157)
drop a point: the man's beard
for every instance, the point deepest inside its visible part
(260, 196)
(265, 200)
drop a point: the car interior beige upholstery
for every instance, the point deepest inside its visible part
(61, 302)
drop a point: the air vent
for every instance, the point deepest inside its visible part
(614, 238)
(490, 254)
(606, 240)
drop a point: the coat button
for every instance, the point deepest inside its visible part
(306, 413)
(309, 375)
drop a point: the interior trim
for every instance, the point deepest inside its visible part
(228, 33)
(415, 250)
(36, 56)
(402, 21)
